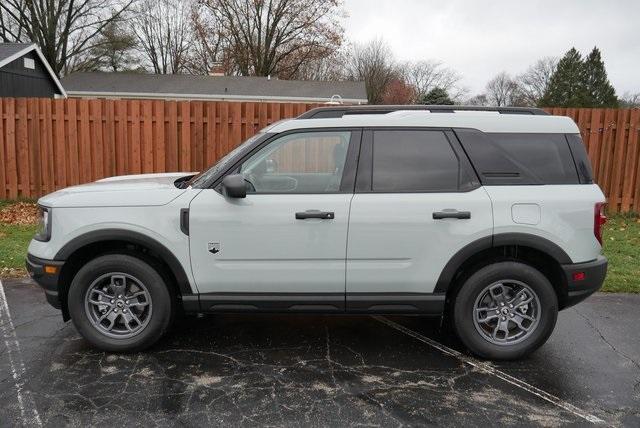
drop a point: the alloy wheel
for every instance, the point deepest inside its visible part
(118, 305)
(506, 312)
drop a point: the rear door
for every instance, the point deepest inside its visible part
(417, 203)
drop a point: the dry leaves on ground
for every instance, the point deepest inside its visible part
(7, 272)
(20, 213)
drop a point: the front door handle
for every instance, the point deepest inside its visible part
(324, 215)
(460, 215)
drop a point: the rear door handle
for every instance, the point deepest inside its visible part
(460, 215)
(324, 215)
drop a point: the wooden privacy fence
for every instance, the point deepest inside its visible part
(48, 144)
(612, 139)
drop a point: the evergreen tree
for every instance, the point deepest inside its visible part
(567, 84)
(114, 50)
(436, 96)
(580, 83)
(600, 92)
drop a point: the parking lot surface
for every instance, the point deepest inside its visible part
(316, 371)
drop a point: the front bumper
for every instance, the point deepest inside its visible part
(47, 280)
(593, 274)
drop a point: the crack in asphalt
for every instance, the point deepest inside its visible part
(605, 340)
(636, 386)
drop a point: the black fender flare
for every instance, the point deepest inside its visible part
(519, 239)
(137, 238)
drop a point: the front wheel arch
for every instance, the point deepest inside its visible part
(81, 250)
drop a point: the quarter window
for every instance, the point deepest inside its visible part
(414, 161)
(544, 156)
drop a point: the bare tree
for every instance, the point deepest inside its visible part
(533, 83)
(65, 30)
(630, 99)
(12, 27)
(478, 100)
(276, 37)
(424, 76)
(327, 68)
(372, 63)
(163, 29)
(502, 90)
(208, 50)
(399, 92)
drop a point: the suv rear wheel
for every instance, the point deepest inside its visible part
(119, 303)
(505, 310)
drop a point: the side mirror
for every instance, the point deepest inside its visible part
(233, 186)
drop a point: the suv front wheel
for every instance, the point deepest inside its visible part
(119, 303)
(505, 311)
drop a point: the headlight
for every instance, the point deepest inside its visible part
(43, 233)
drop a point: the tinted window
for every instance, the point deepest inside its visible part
(581, 158)
(546, 156)
(511, 158)
(413, 161)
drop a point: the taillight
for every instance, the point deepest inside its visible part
(599, 219)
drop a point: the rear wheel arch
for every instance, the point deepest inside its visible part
(538, 252)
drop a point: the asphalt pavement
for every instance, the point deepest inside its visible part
(309, 370)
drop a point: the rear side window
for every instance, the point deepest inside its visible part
(512, 158)
(414, 161)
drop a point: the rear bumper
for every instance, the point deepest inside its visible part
(593, 273)
(48, 281)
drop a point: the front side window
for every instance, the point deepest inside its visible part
(414, 161)
(305, 162)
(204, 178)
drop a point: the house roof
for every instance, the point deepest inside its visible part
(9, 52)
(182, 86)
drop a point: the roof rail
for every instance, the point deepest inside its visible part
(339, 111)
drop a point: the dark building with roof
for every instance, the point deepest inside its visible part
(212, 88)
(24, 72)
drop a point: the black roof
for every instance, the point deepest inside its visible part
(9, 49)
(182, 85)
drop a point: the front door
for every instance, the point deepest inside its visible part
(283, 247)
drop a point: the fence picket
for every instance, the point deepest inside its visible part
(60, 144)
(171, 145)
(11, 150)
(3, 162)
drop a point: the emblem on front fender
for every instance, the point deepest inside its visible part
(213, 247)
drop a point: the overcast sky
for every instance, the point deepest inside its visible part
(481, 38)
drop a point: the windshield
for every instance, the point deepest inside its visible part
(205, 176)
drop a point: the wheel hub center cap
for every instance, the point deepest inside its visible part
(505, 311)
(120, 304)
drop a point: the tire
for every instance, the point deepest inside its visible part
(139, 317)
(512, 334)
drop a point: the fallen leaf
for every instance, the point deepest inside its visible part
(20, 213)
